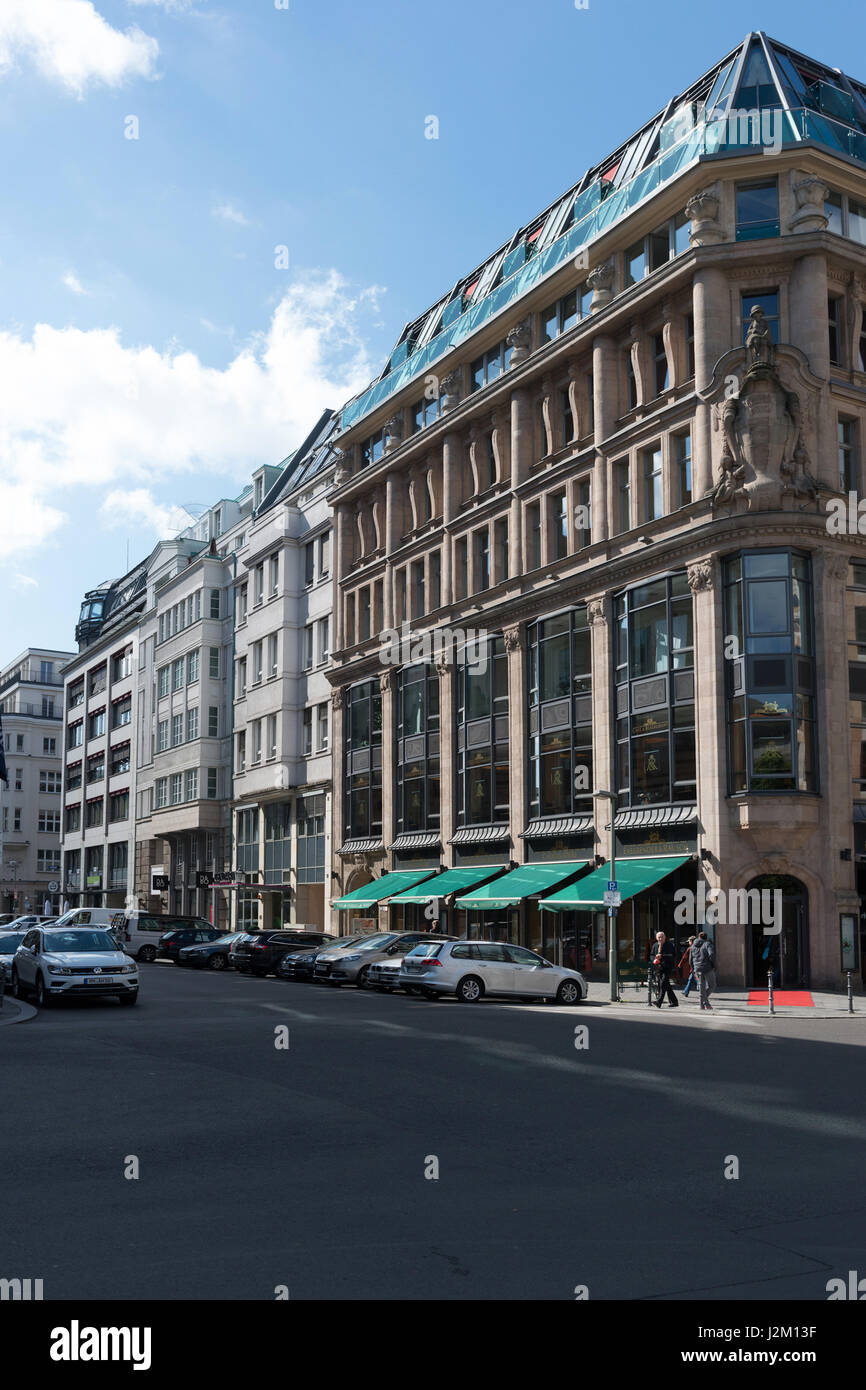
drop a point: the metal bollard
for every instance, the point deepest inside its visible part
(850, 992)
(772, 1007)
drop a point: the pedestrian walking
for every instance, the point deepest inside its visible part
(663, 960)
(704, 966)
(685, 968)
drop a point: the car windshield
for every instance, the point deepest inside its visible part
(10, 944)
(429, 948)
(377, 943)
(80, 939)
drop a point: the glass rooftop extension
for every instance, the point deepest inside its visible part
(762, 91)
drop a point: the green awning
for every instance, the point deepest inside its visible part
(526, 882)
(632, 876)
(371, 893)
(449, 881)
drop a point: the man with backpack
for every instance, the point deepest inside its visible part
(703, 960)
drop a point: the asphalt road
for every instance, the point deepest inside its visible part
(305, 1167)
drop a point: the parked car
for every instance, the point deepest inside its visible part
(211, 954)
(471, 969)
(192, 932)
(53, 961)
(9, 943)
(31, 919)
(86, 917)
(139, 933)
(384, 974)
(259, 953)
(301, 965)
(6, 918)
(352, 967)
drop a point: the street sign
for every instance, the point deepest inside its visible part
(612, 899)
(54, 887)
(612, 885)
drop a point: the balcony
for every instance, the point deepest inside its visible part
(29, 675)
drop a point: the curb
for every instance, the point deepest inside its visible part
(15, 1011)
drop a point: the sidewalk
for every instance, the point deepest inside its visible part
(734, 1002)
(15, 1011)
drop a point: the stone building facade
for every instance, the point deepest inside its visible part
(626, 464)
(31, 705)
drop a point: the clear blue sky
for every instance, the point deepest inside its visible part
(151, 353)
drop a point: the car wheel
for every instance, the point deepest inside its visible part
(361, 979)
(146, 954)
(217, 962)
(129, 999)
(43, 998)
(18, 990)
(470, 989)
(568, 992)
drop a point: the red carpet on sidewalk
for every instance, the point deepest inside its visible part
(785, 998)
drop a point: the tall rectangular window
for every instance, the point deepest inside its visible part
(834, 330)
(177, 673)
(259, 577)
(242, 751)
(272, 655)
(307, 656)
(660, 364)
(214, 609)
(583, 516)
(501, 549)
(191, 724)
(322, 715)
(652, 474)
(307, 733)
(274, 574)
(213, 721)
(463, 567)
(212, 783)
(558, 521)
(435, 580)
(309, 562)
(683, 463)
(214, 663)
(258, 671)
(419, 600)
(176, 730)
(192, 666)
(533, 526)
(623, 496)
(325, 555)
(481, 541)
(849, 471)
(162, 736)
(272, 736)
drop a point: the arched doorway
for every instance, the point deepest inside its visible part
(785, 952)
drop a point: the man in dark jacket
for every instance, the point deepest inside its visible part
(663, 959)
(704, 965)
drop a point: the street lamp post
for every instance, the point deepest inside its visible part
(611, 911)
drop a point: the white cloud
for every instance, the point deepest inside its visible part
(172, 6)
(80, 409)
(72, 282)
(226, 212)
(24, 581)
(137, 507)
(70, 43)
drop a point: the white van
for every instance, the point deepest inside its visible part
(138, 933)
(86, 917)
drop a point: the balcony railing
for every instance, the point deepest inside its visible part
(28, 675)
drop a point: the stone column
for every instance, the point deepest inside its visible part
(711, 310)
(342, 561)
(521, 459)
(807, 298)
(387, 683)
(447, 759)
(515, 644)
(605, 406)
(604, 771)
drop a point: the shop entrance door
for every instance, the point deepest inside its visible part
(786, 953)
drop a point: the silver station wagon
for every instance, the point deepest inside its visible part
(472, 969)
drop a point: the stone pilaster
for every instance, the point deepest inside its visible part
(447, 759)
(711, 310)
(521, 461)
(604, 770)
(515, 647)
(387, 685)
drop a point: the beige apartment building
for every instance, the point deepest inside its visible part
(31, 705)
(621, 450)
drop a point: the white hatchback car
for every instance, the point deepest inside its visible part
(53, 961)
(471, 969)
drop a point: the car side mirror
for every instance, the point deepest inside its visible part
(391, 951)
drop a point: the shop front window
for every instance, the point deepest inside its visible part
(560, 715)
(655, 695)
(770, 672)
(417, 760)
(482, 736)
(363, 760)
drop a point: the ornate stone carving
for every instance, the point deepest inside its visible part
(345, 465)
(387, 680)
(595, 614)
(443, 667)
(810, 193)
(700, 576)
(836, 564)
(450, 387)
(764, 451)
(512, 637)
(600, 280)
(519, 339)
(702, 210)
(337, 697)
(574, 399)
(547, 414)
(393, 433)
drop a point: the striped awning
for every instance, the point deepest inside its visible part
(552, 829)
(479, 835)
(657, 815)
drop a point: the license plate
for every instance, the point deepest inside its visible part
(99, 980)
